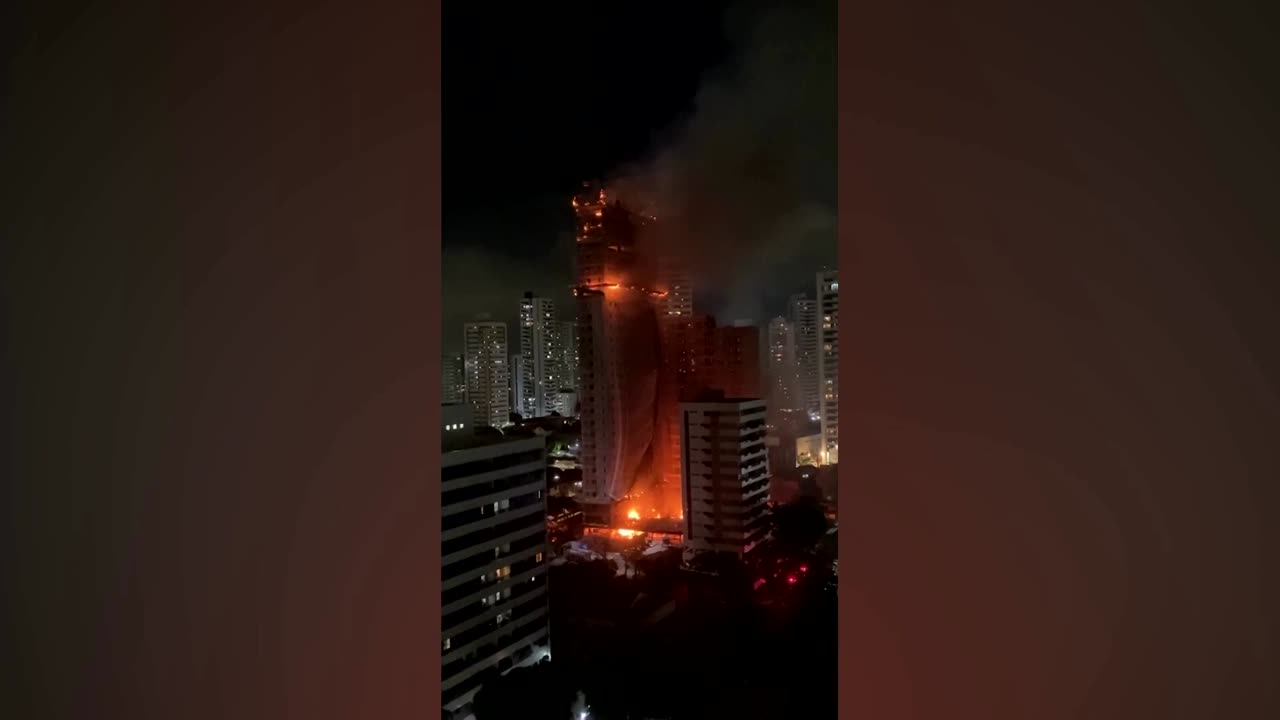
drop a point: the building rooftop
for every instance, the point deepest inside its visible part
(718, 397)
(481, 438)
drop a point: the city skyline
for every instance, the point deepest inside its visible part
(803, 367)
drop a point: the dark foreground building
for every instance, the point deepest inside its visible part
(494, 561)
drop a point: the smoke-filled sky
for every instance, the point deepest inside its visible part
(719, 118)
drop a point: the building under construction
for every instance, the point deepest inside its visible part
(642, 350)
(619, 355)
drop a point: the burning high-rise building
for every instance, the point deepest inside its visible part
(619, 354)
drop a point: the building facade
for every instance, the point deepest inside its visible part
(516, 388)
(794, 439)
(803, 313)
(618, 353)
(455, 418)
(726, 475)
(567, 343)
(736, 361)
(541, 357)
(488, 374)
(829, 363)
(494, 561)
(782, 364)
(453, 379)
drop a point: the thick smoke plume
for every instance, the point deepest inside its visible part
(745, 186)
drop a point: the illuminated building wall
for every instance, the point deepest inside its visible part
(455, 418)
(684, 351)
(737, 361)
(803, 314)
(541, 359)
(673, 277)
(485, 346)
(567, 345)
(725, 475)
(829, 362)
(453, 379)
(782, 364)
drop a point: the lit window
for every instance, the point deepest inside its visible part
(447, 644)
(538, 557)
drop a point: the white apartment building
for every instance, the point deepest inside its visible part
(725, 475)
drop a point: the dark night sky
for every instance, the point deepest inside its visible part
(670, 93)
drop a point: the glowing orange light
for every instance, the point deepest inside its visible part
(633, 515)
(626, 532)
